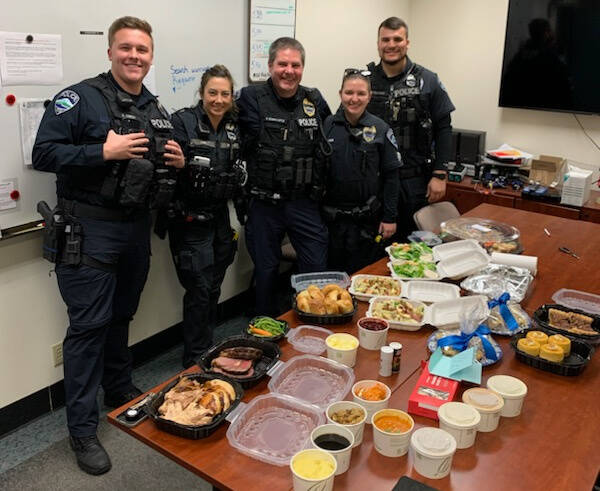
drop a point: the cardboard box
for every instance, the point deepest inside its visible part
(576, 186)
(547, 169)
(430, 392)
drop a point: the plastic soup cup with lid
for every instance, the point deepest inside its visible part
(372, 395)
(512, 390)
(372, 333)
(432, 450)
(461, 421)
(391, 432)
(313, 469)
(336, 440)
(342, 347)
(488, 403)
(353, 416)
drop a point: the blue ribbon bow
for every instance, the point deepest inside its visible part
(505, 312)
(461, 342)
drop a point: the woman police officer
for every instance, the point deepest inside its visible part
(360, 204)
(202, 241)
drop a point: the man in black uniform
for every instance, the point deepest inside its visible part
(285, 151)
(413, 101)
(361, 198)
(109, 142)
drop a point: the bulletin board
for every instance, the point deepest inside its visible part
(269, 20)
(189, 36)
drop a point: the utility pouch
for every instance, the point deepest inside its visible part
(165, 188)
(71, 254)
(136, 182)
(54, 231)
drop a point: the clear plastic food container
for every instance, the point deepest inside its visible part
(312, 379)
(273, 427)
(480, 229)
(575, 299)
(304, 280)
(309, 339)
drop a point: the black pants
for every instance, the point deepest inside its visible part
(352, 244)
(413, 197)
(100, 306)
(266, 226)
(202, 251)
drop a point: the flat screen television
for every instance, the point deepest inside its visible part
(552, 56)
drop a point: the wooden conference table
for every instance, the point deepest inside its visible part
(552, 445)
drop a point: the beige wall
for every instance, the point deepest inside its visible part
(463, 41)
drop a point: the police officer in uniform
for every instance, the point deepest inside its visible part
(413, 101)
(200, 234)
(361, 199)
(109, 142)
(285, 151)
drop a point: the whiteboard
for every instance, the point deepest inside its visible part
(189, 36)
(269, 20)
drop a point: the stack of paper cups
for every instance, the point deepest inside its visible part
(526, 262)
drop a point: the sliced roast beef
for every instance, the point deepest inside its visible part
(232, 365)
(248, 374)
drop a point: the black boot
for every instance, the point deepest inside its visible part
(117, 400)
(91, 456)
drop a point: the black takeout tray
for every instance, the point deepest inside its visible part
(325, 319)
(271, 354)
(185, 431)
(272, 339)
(580, 356)
(540, 316)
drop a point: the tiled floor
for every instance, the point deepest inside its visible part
(39, 435)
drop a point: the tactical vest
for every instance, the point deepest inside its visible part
(126, 118)
(214, 171)
(404, 108)
(287, 162)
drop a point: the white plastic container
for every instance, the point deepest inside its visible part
(371, 406)
(394, 285)
(432, 450)
(449, 249)
(358, 428)
(429, 291)
(463, 264)
(512, 390)
(302, 483)
(488, 403)
(461, 421)
(388, 443)
(343, 456)
(371, 339)
(443, 315)
(435, 274)
(346, 355)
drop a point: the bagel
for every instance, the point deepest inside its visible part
(316, 306)
(302, 303)
(345, 306)
(315, 292)
(330, 287)
(345, 296)
(331, 305)
(334, 295)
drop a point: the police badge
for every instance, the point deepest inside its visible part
(309, 108)
(230, 130)
(369, 133)
(411, 81)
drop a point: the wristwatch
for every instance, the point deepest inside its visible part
(439, 175)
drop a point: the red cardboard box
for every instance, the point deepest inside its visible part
(430, 392)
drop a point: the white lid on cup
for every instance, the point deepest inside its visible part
(484, 400)
(433, 442)
(507, 386)
(459, 415)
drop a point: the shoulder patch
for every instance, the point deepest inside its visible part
(65, 101)
(392, 138)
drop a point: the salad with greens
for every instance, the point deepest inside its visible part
(415, 269)
(413, 251)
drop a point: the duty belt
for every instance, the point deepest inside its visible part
(276, 197)
(413, 171)
(368, 210)
(84, 210)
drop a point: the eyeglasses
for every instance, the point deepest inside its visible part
(355, 71)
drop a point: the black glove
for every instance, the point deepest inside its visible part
(241, 208)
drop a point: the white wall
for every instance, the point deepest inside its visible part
(463, 41)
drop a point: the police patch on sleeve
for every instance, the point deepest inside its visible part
(392, 138)
(65, 101)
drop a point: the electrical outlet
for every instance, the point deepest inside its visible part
(57, 354)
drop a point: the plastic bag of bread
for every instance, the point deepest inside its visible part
(329, 300)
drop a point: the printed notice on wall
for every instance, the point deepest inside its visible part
(30, 115)
(269, 20)
(6, 200)
(30, 59)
